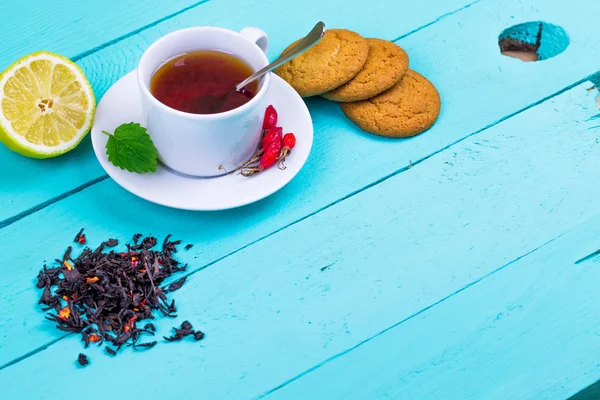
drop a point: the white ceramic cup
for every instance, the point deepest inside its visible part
(205, 145)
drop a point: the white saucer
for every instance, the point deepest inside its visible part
(121, 104)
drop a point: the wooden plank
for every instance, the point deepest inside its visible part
(72, 27)
(527, 331)
(31, 182)
(223, 233)
(297, 298)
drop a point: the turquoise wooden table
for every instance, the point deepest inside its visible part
(439, 267)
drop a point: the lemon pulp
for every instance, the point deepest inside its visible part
(46, 105)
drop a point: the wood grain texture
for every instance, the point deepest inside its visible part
(340, 163)
(311, 291)
(31, 182)
(337, 173)
(528, 331)
(298, 298)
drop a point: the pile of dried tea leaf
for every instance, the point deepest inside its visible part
(106, 295)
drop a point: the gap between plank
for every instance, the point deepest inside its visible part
(591, 392)
(41, 206)
(136, 31)
(352, 194)
(338, 355)
(441, 17)
(34, 351)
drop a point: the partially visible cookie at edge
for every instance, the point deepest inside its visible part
(386, 65)
(338, 57)
(410, 107)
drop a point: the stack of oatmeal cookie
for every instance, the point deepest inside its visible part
(370, 79)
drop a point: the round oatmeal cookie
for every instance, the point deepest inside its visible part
(410, 107)
(386, 65)
(337, 58)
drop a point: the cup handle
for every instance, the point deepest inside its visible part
(257, 36)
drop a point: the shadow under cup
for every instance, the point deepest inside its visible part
(204, 145)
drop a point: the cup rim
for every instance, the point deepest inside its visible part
(239, 110)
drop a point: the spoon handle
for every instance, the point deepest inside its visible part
(309, 40)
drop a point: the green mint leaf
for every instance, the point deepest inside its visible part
(131, 148)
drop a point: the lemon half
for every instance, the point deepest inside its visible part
(46, 105)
